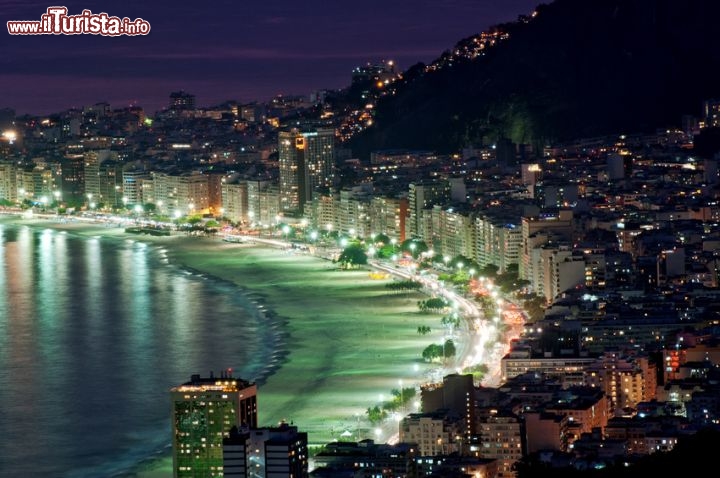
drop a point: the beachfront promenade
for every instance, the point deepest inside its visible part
(349, 341)
(476, 329)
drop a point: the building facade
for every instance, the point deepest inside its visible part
(203, 412)
(307, 162)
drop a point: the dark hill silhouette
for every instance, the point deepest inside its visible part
(578, 69)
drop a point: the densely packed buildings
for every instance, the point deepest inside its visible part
(617, 235)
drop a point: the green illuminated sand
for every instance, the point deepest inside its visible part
(348, 338)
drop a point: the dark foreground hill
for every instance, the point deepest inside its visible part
(579, 68)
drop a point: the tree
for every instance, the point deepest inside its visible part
(478, 371)
(464, 263)
(194, 220)
(353, 255)
(376, 414)
(490, 270)
(381, 239)
(535, 308)
(487, 305)
(451, 320)
(423, 329)
(432, 304)
(432, 352)
(403, 396)
(385, 251)
(449, 348)
(404, 285)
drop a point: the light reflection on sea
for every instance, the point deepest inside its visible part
(93, 333)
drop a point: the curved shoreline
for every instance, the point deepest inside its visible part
(344, 338)
(278, 350)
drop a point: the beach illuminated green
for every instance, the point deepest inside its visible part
(349, 340)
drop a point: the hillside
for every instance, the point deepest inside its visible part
(577, 69)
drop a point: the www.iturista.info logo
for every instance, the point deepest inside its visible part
(56, 21)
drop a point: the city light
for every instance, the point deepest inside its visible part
(10, 136)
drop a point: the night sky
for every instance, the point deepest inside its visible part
(242, 50)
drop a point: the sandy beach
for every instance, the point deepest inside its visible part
(348, 339)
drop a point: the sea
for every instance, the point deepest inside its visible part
(94, 332)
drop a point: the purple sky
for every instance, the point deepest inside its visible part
(235, 49)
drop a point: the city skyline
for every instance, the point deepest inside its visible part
(501, 263)
(247, 53)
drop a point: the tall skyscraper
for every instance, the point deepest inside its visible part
(307, 162)
(203, 412)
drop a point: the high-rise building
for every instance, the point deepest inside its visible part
(8, 181)
(204, 410)
(263, 202)
(132, 177)
(93, 159)
(73, 178)
(274, 452)
(424, 195)
(388, 215)
(435, 433)
(180, 100)
(455, 394)
(560, 223)
(307, 160)
(711, 113)
(545, 431)
(500, 434)
(183, 193)
(235, 201)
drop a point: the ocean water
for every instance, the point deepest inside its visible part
(93, 334)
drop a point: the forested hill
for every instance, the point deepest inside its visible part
(576, 68)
